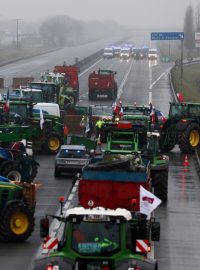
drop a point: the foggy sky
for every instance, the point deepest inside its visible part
(134, 13)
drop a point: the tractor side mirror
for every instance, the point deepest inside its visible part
(155, 231)
(44, 227)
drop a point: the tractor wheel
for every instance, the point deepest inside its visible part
(144, 229)
(56, 173)
(160, 184)
(12, 172)
(53, 143)
(17, 223)
(33, 170)
(166, 148)
(189, 140)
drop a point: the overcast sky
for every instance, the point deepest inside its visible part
(135, 13)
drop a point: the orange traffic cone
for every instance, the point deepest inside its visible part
(186, 162)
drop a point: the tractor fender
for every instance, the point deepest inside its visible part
(8, 203)
(6, 163)
(181, 125)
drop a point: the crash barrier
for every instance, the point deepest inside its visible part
(92, 57)
(188, 62)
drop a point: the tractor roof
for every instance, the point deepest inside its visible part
(99, 211)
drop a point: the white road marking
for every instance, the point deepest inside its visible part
(120, 89)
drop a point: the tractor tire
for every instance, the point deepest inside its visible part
(56, 173)
(160, 184)
(189, 139)
(108, 165)
(17, 223)
(53, 143)
(33, 170)
(144, 229)
(12, 172)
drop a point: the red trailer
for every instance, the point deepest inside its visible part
(113, 185)
(102, 84)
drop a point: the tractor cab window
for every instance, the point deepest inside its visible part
(96, 238)
(179, 110)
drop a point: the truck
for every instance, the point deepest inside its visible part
(17, 207)
(125, 53)
(108, 52)
(20, 123)
(181, 128)
(102, 84)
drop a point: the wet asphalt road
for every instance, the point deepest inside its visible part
(180, 217)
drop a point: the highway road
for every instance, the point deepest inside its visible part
(180, 217)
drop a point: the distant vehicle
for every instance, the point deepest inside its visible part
(125, 53)
(138, 54)
(153, 54)
(108, 52)
(117, 50)
(71, 159)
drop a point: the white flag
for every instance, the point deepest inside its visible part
(41, 119)
(148, 202)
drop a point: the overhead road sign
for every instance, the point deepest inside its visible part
(167, 35)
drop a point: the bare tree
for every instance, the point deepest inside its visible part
(60, 30)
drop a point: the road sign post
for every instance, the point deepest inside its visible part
(171, 36)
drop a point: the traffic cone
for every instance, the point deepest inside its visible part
(186, 162)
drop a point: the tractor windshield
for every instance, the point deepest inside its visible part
(96, 238)
(178, 110)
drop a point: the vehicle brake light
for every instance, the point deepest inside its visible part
(106, 268)
(149, 248)
(52, 267)
(49, 267)
(184, 120)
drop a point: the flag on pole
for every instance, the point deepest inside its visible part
(7, 104)
(41, 119)
(148, 202)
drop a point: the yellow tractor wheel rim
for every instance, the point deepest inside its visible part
(194, 138)
(19, 223)
(54, 143)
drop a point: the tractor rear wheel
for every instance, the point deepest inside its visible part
(53, 143)
(12, 172)
(189, 139)
(160, 184)
(33, 170)
(17, 223)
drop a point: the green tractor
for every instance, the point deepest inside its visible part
(145, 145)
(182, 127)
(17, 207)
(20, 123)
(97, 238)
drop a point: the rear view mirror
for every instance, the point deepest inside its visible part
(155, 231)
(44, 227)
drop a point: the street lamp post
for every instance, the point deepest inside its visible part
(17, 45)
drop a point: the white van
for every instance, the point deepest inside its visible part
(153, 54)
(50, 108)
(108, 52)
